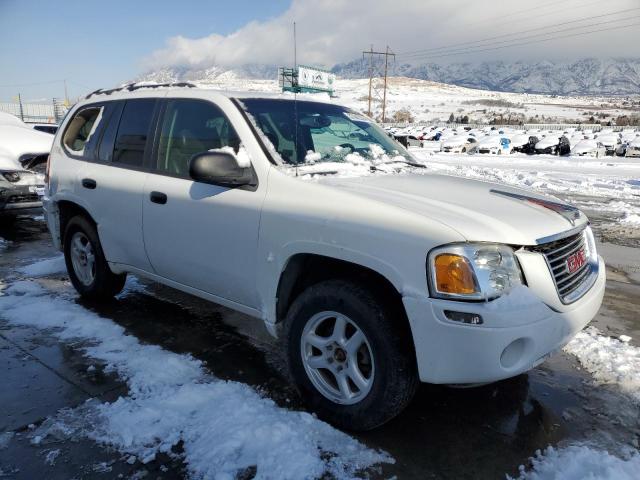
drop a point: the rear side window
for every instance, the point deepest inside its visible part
(113, 113)
(190, 127)
(133, 132)
(81, 129)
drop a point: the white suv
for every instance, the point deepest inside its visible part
(375, 273)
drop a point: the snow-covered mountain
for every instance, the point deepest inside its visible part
(589, 76)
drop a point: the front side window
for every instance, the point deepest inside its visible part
(312, 132)
(81, 128)
(190, 127)
(133, 132)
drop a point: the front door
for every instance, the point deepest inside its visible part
(200, 235)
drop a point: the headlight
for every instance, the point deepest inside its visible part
(472, 271)
(592, 254)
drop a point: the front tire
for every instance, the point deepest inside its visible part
(87, 267)
(350, 355)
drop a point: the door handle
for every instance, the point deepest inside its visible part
(89, 183)
(158, 197)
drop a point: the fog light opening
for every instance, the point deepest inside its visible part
(514, 352)
(464, 317)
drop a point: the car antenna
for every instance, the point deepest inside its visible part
(295, 97)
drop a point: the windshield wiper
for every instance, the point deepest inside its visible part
(406, 162)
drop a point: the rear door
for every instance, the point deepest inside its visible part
(113, 183)
(200, 235)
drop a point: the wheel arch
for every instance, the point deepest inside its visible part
(69, 209)
(302, 270)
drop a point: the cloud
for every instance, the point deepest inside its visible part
(333, 31)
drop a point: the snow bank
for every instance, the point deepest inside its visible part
(579, 462)
(609, 360)
(225, 426)
(632, 218)
(49, 266)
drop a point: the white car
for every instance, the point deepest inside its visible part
(373, 281)
(493, 144)
(21, 149)
(633, 148)
(459, 144)
(588, 148)
(612, 143)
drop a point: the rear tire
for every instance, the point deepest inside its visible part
(87, 267)
(383, 355)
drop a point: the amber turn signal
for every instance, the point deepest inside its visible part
(454, 274)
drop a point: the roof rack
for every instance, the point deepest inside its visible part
(136, 86)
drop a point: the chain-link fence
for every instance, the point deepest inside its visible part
(52, 112)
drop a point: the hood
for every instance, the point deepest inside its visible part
(585, 146)
(17, 141)
(454, 141)
(547, 142)
(467, 206)
(490, 141)
(608, 140)
(519, 140)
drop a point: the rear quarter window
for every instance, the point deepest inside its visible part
(82, 129)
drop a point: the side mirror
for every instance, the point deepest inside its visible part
(219, 168)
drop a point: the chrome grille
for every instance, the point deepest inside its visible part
(556, 253)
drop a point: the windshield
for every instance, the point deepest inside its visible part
(325, 133)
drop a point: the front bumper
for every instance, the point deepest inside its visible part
(20, 200)
(513, 339)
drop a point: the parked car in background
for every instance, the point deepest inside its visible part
(519, 142)
(459, 144)
(374, 283)
(22, 149)
(407, 140)
(612, 143)
(588, 148)
(493, 144)
(27, 147)
(633, 148)
(552, 144)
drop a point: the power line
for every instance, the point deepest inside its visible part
(514, 14)
(452, 50)
(387, 53)
(546, 14)
(618, 27)
(583, 19)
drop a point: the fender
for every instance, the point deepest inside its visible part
(272, 269)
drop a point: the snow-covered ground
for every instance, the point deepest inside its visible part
(609, 185)
(224, 427)
(430, 101)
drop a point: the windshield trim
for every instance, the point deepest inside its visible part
(256, 133)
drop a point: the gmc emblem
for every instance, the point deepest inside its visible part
(576, 260)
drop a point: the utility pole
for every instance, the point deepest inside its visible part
(21, 109)
(373, 72)
(384, 99)
(370, 77)
(66, 94)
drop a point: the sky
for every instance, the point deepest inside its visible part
(95, 44)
